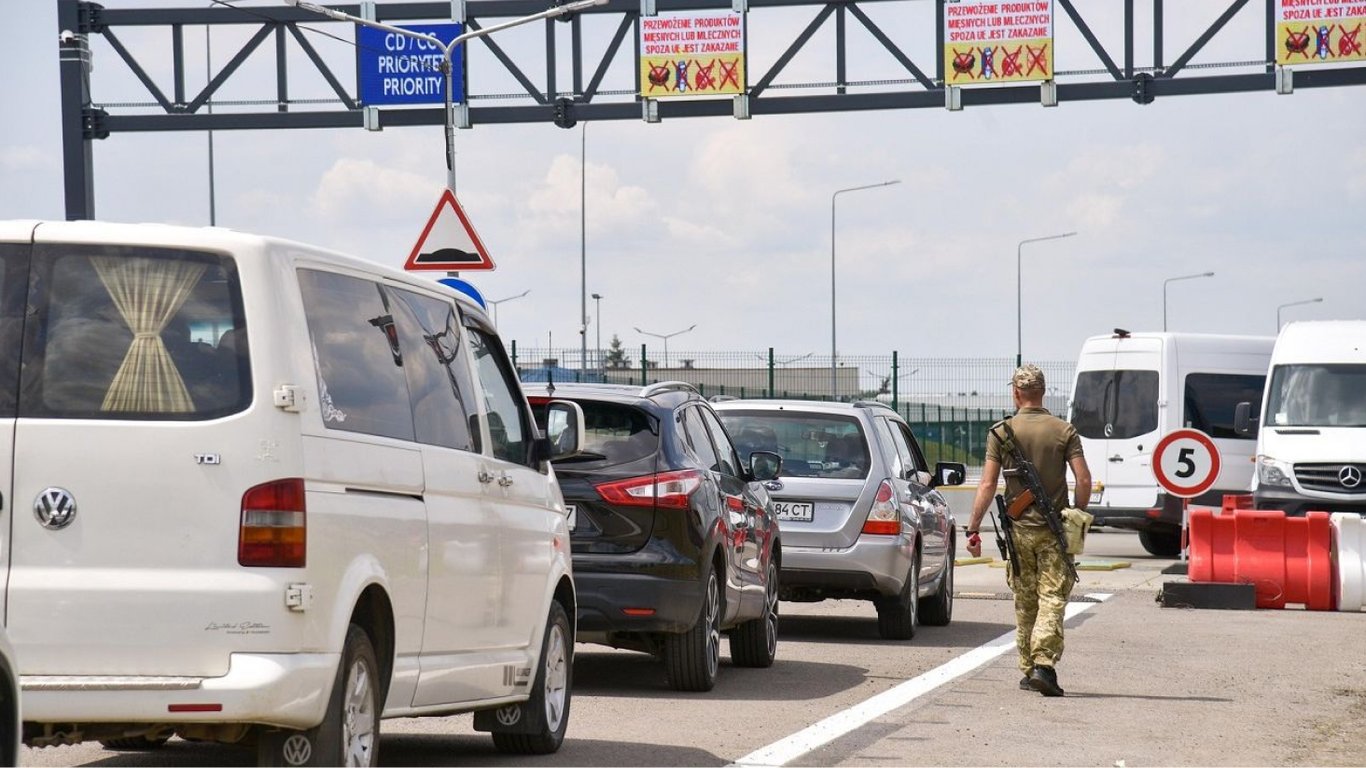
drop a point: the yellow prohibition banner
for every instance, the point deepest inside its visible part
(1005, 42)
(692, 54)
(1320, 31)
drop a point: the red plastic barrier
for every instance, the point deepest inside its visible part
(1236, 501)
(1285, 558)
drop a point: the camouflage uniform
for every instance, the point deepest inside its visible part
(1044, 582)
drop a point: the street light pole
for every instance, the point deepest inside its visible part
(583, 246)
(495, 302)
(666, 337)
(597, 345)
(1293, 304)
(446, 50)
(1019, 295)
(1164, 293)
(834, 380)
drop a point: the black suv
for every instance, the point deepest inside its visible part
(674, 540)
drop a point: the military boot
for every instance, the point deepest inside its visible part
(1045, 681)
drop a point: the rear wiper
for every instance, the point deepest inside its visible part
(580, 456)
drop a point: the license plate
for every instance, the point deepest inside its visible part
(571, 515)
(795, 511)
(1097, 493)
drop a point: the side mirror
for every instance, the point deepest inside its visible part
(564, 428)
(948, 473)
(1243, 422)
(764, 465)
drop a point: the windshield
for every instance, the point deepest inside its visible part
(1319, 395)
(811, 445)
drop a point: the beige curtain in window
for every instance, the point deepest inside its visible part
(148, 293)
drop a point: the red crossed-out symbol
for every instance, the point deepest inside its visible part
(1348, 43)
(659, 75)
(1297, 42)
(1037, 59)
(729, 73)
(1010, 65)
(703, 81)
(964, 63)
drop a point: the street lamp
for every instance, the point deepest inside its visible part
(495, 302)
(597, 310)
(835, 194)
(1293, 304)
(1164, 293)
(1019, 274)
(583, 247)
(446, 49)
(666, 337)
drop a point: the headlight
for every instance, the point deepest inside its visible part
(1273, 473)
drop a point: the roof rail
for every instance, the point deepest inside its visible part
(872, 404)
(668, 386)
(722, 398)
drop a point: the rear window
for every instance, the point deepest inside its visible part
(613, 434)
(134, 333)
(1115, 404)
(812, 445)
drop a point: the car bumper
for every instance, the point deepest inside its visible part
(633, 602)
(1296, 505)
(873, 564)
(288, 690)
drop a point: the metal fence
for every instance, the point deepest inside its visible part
(949, 402)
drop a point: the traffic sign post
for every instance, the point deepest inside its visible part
(1186, 463)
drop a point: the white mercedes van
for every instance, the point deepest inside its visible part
(1311, 447)
(1133, 388)
(267, 494)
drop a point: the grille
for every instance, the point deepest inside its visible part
(1326, 477)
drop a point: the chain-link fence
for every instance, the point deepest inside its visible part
(949, 402)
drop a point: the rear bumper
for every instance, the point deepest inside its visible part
(605, 599)
(874, 565)
(287, 689)
(1164, 515)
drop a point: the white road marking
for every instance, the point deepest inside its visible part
(819, 734)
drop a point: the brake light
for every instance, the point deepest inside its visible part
(272, 532)
(883, 519)
(665, 489)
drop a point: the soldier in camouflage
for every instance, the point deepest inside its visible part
(1044, 581)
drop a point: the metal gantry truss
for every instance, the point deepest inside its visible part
(84, 119)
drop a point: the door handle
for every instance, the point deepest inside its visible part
(485, 476)
(505, 479)
(1117, 458)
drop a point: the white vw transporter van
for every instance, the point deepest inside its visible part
(1311, 448)
(266, 494)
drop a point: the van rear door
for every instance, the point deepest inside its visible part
(14, 259)
(1115, 411)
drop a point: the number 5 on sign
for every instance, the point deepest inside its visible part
(1186, 463)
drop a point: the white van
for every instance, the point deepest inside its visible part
(1311, 448)
(1133, 388)
(266, 494)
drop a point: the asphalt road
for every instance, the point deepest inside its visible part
(1146, 685)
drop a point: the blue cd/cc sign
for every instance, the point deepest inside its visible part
(394, 69)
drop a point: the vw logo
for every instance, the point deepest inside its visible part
(1349, 476)
(509, 716)
(297, 749)
(55, 508)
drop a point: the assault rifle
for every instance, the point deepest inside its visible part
(1033, 493)
(1004, 541)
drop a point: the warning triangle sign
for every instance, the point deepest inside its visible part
(448, 242)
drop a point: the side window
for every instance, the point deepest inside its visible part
(509, 429)
(917, 457)
(1212, 397)
(729, 465)
(695, 433)
(13, 286)
(434, 360)
(901, 453)
(361, 383)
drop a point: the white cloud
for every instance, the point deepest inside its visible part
(356, 188)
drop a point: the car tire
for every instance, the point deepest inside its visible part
(349, 732)
(755, 642)
(937, 611)
(552, 691)
(691, 659)
(1161, 543)
(897, 616)
(134, 744)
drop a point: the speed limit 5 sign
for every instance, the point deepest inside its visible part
(1186, 463)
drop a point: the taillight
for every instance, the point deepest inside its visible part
(272, 531)
(664, 489)
(884, 518)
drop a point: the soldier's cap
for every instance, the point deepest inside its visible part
(1027, 377)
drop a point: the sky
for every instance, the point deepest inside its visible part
(725, 224)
